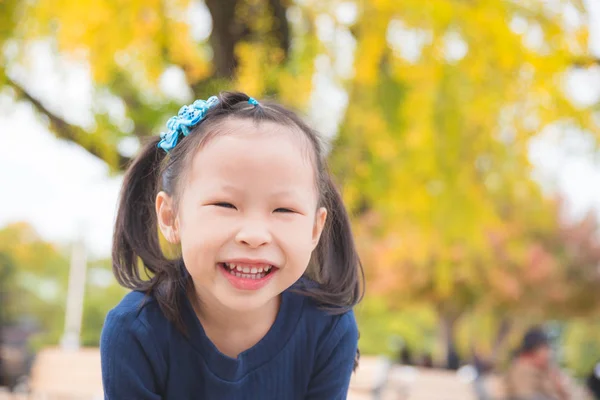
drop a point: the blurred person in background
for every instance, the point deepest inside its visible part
(593, 381)
(453, 360)
(405, 356)
(532, 375)
(427, 361)
(2, 377)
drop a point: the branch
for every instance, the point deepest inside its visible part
(586, 62)
(136, 109)
(64, 130)
(226, 33)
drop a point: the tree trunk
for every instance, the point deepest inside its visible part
(448, 323)
(227, 31)
(501, 334)
(225, 34)
(280, 25)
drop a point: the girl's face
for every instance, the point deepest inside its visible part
(248, 218)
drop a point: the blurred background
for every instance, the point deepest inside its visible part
(463, 134)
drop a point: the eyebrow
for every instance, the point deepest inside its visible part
(228, 188)
(286, 192)
(279, 193)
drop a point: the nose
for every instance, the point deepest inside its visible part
(253, 233)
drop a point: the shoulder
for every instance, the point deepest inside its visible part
(136, 317)
(133, 307)
(131, 304)
(337, 329)
(330, 326)
(332, 334)
(132, 348)
(332, 320)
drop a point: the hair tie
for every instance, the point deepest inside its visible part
(188, 117)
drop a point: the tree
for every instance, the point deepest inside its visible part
(38, 280)
(256, 46)
(433, 152)
(35, 283)
(128, 46)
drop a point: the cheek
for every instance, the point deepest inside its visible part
(296, 237)
(200, 235)
(296, 227)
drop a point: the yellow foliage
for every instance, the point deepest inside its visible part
(251, 63)
(115, 34)
(432, 152)
(446, 165)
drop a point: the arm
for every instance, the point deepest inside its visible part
(131, 363)
(335, 362)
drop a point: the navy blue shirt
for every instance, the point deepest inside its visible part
(307, 354)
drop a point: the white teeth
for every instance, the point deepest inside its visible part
(248, 272)
(248, 276)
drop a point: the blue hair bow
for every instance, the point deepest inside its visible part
(184, 121)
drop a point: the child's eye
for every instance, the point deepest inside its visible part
(224, 205)
(284, 210)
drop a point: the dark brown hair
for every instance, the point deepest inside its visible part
(334, 265)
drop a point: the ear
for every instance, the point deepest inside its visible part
(167, 220)
(320, 219)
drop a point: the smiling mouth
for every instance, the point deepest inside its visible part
(254, 272)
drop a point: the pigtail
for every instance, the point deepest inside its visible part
(136, 237)
(335, 261)
(341, 272)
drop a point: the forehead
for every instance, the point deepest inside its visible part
(265, 152)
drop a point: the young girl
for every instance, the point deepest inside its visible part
(259, 303)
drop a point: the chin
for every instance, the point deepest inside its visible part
(244, 300)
